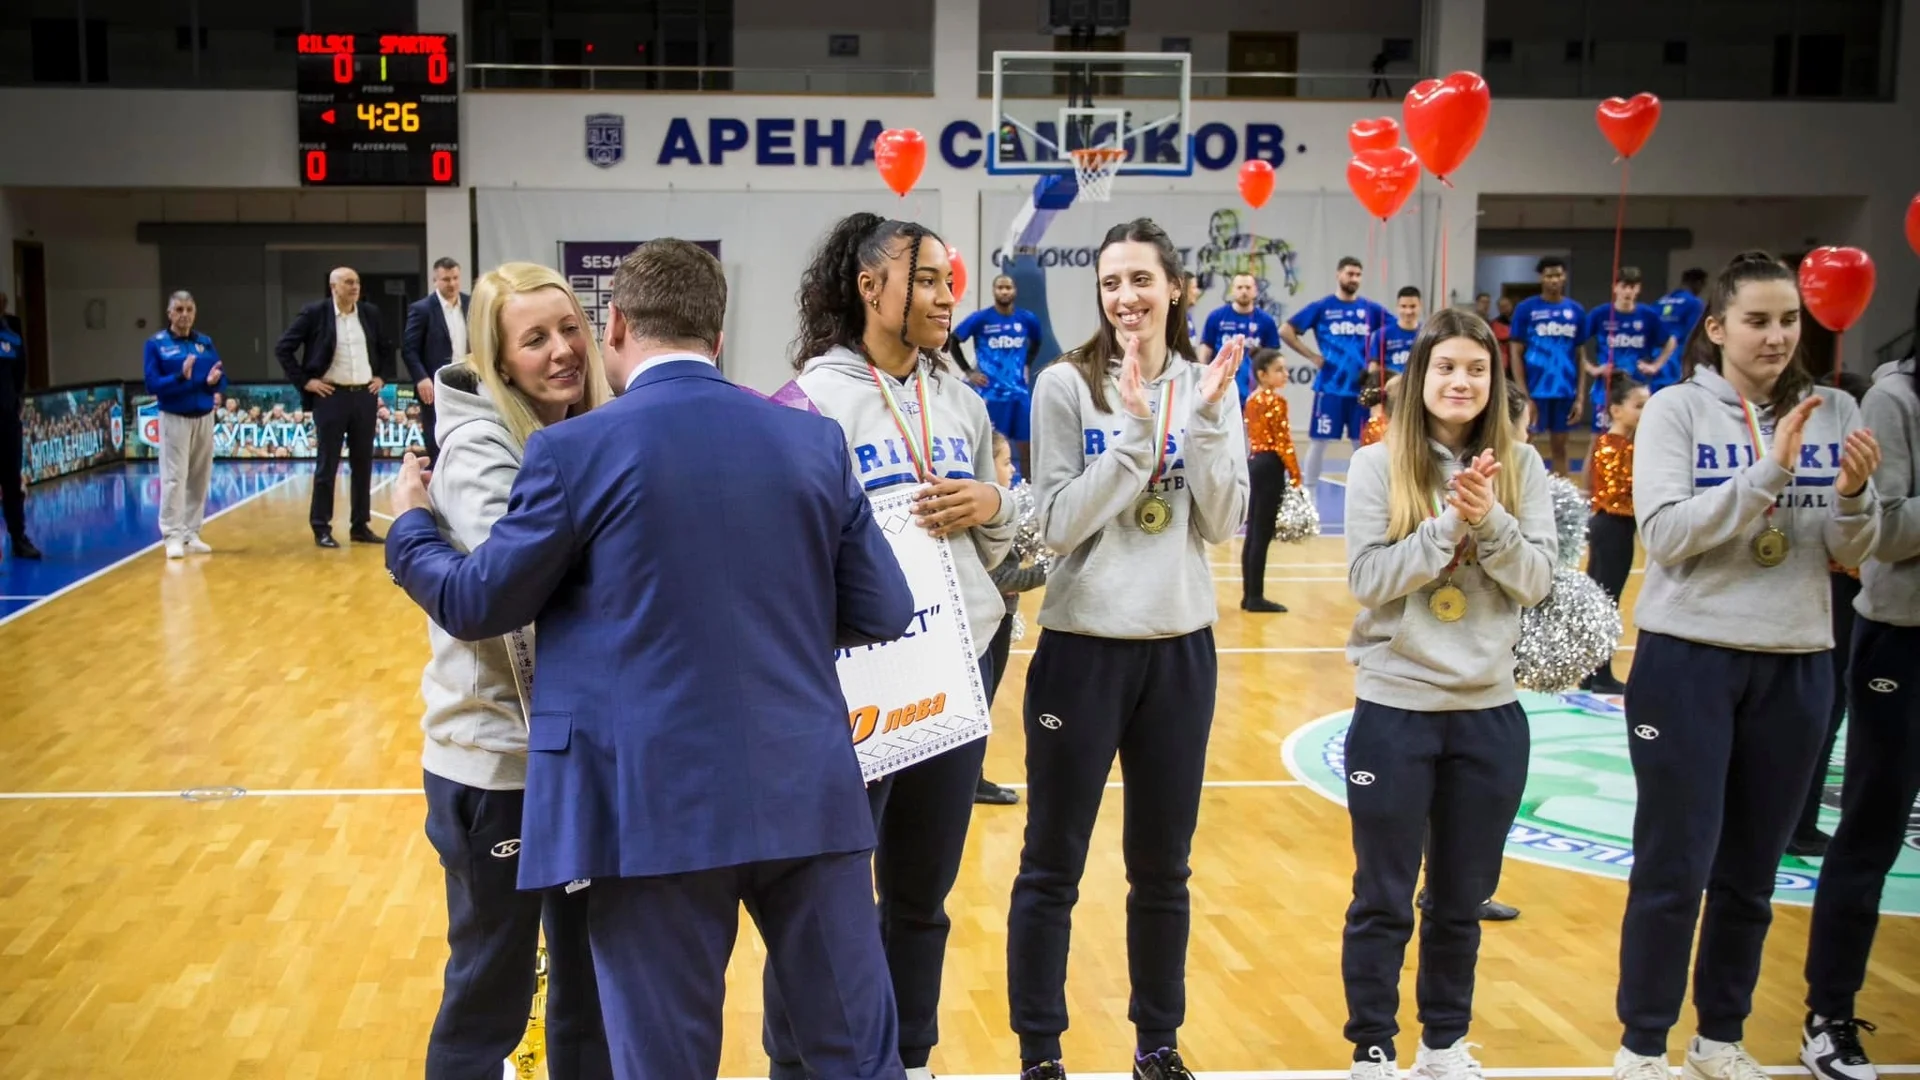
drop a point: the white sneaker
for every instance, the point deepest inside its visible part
(1377, 1066)
(1731, 1063)
(924, 1072)
(1628, 1065)
(176, 549)
(1831, 1050)
(1453, 1063)
(198, 546)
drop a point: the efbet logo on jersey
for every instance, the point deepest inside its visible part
(1627, 341)
(1347, 328)
(1554, 329)
(1006, 341)
(606, 139)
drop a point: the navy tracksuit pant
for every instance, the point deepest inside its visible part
(1723, 743)
(1089, 699)
(921, 814)
(493, 932)
(1876, 804)
(1450, 781)
(1845, 588)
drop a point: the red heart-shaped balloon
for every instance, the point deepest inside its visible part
(900, 154)
(1383, 179)
(1627, 122)
(959, 270)
(1913, 224)
(1378, 133)
(1256, 182)
(1835, 284)
(1445, 118)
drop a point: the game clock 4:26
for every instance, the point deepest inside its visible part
(379, 110)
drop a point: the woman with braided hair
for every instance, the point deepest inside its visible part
(876, 306)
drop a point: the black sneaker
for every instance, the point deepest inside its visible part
(1809, 845)
(1495, 911)
(23, 548)
(1263, 605)
(1046, 1070)
(988, 793)
(1162, 1064)
(1831, 1051)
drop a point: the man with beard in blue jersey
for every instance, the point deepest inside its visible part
(1239, 317)
(1007, 342)
(1627, 335)
(1341, 324)
(1547, 332)
(1679, 312)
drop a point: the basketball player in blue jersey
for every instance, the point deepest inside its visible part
(1679, 312)
(1547, 332)
(1007, 342)
(1628, 335)
(1341, 324)
(1240, 317)
(1393, 343)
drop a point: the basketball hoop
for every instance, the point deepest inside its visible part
(1093, 168)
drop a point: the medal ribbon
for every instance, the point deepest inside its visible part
(1459, 550)
(1759, 441)
(922, 454)
(1166, 425)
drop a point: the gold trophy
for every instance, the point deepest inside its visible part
(529, 1058)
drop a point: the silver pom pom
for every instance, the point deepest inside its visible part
(1028, 547)
(1019, 627)
(1570, 518)
(1299, 518)
(1564, 639)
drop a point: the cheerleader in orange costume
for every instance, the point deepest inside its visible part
(1271, 466)
(1610, 530)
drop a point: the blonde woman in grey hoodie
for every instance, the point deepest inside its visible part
(876, 305)
(1747, 479)
(533, 364)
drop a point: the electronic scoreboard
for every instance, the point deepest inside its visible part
(379, 109)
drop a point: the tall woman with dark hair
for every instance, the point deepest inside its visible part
(1883, 739)
(1747, 479)
(876, 305)
(1139, 463)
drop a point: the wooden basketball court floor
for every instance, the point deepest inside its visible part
(297, 930)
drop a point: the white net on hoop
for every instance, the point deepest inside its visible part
(1094, 167)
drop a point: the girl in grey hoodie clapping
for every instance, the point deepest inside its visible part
(1747, 479)
(533, 364)
(876, 306)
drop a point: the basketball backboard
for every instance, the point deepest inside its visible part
(1048, 104)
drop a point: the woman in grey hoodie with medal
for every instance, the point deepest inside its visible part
(1747, 479)
(533, 364)
(876, 306)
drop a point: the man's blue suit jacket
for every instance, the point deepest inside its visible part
(691, 556)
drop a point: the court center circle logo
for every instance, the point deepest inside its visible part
(1577, 813)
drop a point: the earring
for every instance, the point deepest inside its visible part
(874, 303)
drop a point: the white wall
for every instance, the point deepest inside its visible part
(766, 241)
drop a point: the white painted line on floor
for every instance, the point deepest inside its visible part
(218, 794)
(41, 596)
(381, 516)
(155, 546)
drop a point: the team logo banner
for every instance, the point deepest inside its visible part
(606, 139)
(920, 694)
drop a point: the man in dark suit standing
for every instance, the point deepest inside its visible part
(347, 359)
(691, 556)
(436, 336)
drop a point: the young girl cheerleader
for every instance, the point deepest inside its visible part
(1883, 739)
(1747, 479)
(1610, 482)
(1139, 464)
(875, 306)
(1450, 533)
(1271, 466)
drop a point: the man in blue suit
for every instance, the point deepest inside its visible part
(436, 336)
(691, 556)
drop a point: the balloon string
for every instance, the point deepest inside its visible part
(1613, 315)
(1445, 298)
(1386, 286)
(1837, 364)
(1374, 228)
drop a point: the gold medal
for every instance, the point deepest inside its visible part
(1448, 603)
(1153, 514)
(1770, 548)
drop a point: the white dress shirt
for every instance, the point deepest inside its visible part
(456, 326)
(350, 366)
(666, 358)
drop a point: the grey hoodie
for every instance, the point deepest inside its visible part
(1890, 580)
(1405, 657)
(475, 723)
(841, 388)
(1090, 468)
(1701, 497)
